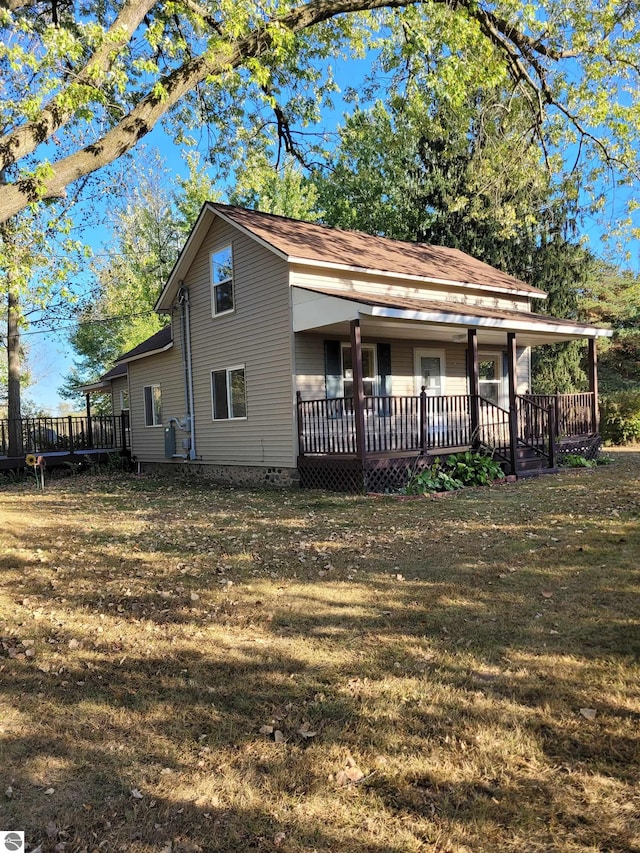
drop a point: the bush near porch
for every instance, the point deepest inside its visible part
(195, 669)
(620, 417)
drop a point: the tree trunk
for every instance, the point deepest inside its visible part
(14, 371)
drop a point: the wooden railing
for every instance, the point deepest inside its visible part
(574, 412)
(391, 424)
(69, 434)
(536, 427)
(493, 428)
(421, 423)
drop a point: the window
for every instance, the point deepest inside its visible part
(228, 392)
(368, 371)
(152, 405)
(124, 401)
(490, 377)
(222, 281)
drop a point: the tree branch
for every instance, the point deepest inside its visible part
(26, 138)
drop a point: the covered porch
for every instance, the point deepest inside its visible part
(377, 436)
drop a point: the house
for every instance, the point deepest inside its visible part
(300, 352)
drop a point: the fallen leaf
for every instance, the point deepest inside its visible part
(279, 838)
(74, 644)
(278, 736)
(266, 730)
(136, 794)
(546, 593)
(588, 713)
(354, 774)
(304, 731)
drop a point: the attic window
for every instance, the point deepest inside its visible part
(222, 281)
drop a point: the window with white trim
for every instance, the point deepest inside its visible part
(368, 370)
(124, 400)
(490, 376)
(228, 394)
(152, 405)
(222, 297)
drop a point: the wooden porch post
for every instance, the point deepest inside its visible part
(513, 391)
(89, 424)
(473, 371)
(358, 387)
(593, 385)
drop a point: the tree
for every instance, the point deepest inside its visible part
(282, 190)
(148, 230)
(612, 296)
(83, 85)
(37, 256)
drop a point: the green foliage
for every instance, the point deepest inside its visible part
(474, 469)
(457, 471)
(620, 417)
(575, 460)
(612, 298)
(281, 189)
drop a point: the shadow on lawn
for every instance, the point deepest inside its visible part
(461, 647)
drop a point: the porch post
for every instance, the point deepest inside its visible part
(513, 410)
(593, 385)
(473, 371)
(89, 424)
(358, 387)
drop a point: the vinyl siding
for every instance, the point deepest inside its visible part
(309, 350)
(165, 370)
(257, 335)
(302, 277)
(117, 386)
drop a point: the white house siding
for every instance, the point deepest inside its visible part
(369, 284)
(310, 368)
(257, 335)
(165, 370)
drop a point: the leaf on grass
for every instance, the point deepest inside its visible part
(266, 730)
(278, 839)
(278, 736)
(136, 794)
(546, 593)
(305, 731)
(588, 713)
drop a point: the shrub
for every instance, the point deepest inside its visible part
(620, 417)
(456, 472)
(576, 460)
(474, 469)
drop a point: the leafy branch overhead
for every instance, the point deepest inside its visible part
(82, 86)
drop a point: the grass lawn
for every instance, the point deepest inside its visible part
(185, 668)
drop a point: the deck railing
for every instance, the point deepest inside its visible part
(69, 434)
(574, 412)
(391, 424)
(421, 423)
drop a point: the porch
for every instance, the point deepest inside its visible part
(405, 433)
(63, 439)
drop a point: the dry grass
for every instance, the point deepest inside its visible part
(441, 649)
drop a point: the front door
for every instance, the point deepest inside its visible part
(430, 371)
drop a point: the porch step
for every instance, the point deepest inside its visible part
(530, 463)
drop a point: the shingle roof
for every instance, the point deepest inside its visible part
(114, 373)
(156, 342)
(321, 244)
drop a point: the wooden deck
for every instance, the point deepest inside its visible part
(66, 439)
(404, 433)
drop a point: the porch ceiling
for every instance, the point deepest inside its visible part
(410, 319)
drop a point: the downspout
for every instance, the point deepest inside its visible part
(183, 300)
